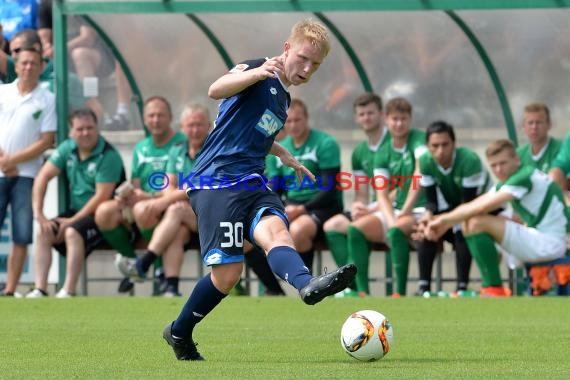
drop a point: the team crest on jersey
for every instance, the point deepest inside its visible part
(179, 164)
(92, 169)
(269, 124)
(239, 68)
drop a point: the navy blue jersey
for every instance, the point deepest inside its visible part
(244, 131)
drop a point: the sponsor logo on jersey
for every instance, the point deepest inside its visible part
(157, 162)
(92, 169)
(269, 124)
(239, 68)
(308, 155)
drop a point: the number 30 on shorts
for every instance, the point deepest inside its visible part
(233, 234)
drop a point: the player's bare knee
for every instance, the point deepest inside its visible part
(71, 235)
(45, 238)
(474, 225)
(226, 276)
(107, 215)
(283, 237)
(140, 212)
(175, 211)
(337, 223)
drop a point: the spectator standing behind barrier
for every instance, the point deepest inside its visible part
(27, 129)
(309, 205)
(150, 156)
(534, 197)
(94, 169)
(171, 216)
(121, 119)
(451, 176)
(89, 56)
(45, 25)
(47, 76)
(396, 161)
(343, 230)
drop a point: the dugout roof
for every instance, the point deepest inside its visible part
(473, 63)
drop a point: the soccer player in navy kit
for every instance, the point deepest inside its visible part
(227, 191)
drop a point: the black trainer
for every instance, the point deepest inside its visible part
(126, 285)
(328, 284)
(184, 350)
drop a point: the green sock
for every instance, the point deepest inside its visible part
(338, 245)
(483, 250)
(119, 238)
(400, 251)
(146, 233)
(359, 254)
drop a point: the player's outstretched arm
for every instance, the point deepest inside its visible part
(238, 80)
(483, 204)
(414, 192)
(288, 160)
(558, 177)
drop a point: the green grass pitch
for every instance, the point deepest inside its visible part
(281, 338)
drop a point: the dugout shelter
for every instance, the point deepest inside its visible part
(473, 63)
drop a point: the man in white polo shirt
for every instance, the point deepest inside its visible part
(27, 129)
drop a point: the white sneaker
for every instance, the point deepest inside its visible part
(36, 293)
(125, 265)
(171, 294)
(63, 294)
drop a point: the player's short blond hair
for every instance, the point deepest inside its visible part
(538, 107)
(313, 31)
(499, 146)
(400, 105)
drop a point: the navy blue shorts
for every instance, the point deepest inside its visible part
(226, 216)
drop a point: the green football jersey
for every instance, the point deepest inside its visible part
(363, 158)
(148, 159)
(538, 201)
(543, 160)
(466, 171)
(397, 165)
(271, 166)
(104, 165)
(179, 161)
(562, 159)
(319, 152)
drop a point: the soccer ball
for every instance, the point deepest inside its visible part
(367, 335)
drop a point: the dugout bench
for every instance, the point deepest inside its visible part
(518, 281)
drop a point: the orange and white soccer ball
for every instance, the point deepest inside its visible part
(367, 335)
